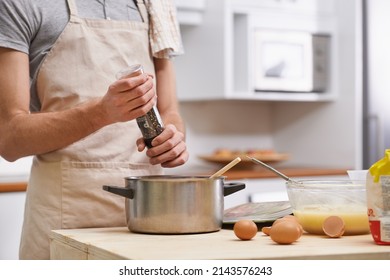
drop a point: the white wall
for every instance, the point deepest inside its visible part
(236, 125)
(21, 167)
(329, 134)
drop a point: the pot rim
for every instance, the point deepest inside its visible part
(174, 178)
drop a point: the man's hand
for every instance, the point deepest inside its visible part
(169, 148)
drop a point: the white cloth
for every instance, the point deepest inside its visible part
(164, 31)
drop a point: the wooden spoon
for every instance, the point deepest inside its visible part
(225, 168)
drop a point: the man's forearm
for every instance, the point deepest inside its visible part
(39, 133)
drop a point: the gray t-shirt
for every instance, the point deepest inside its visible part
(33, 26)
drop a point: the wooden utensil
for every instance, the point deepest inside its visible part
(226, 168)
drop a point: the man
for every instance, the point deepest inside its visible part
(60, 101)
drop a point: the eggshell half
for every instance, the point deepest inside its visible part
(333, 226)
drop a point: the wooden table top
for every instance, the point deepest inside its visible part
(120, 243)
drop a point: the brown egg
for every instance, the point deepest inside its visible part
(295, 219)
(290, 218)
(266, 230)
(333, 226)
(285, 232)
(300, 229)
(279, 221)
(245, 229)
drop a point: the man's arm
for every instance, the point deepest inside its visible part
(23, 133)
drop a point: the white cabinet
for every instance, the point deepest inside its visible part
(190, 12)
(11, 219)
(308, 7)
(219, 58)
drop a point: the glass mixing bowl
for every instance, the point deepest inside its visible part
(313, 201)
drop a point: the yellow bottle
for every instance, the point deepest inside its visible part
(378, 199)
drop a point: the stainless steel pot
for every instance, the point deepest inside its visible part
(174, 204)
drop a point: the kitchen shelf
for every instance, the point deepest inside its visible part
(285, 96)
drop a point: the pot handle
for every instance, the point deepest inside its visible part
(230, 188)
(128, 193)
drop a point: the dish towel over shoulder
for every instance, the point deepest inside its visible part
(164, 33)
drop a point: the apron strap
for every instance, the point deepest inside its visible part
(72, 8)
(141, 4)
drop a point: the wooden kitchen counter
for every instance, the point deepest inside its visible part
(262, 173)
(233, 174)
(120, 243)
(13, 187)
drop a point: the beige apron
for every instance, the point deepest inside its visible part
(65, 187)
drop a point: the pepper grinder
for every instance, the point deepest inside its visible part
(150, 124)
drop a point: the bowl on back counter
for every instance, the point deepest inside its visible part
(224, 156)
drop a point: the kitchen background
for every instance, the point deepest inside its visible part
(221, 108)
